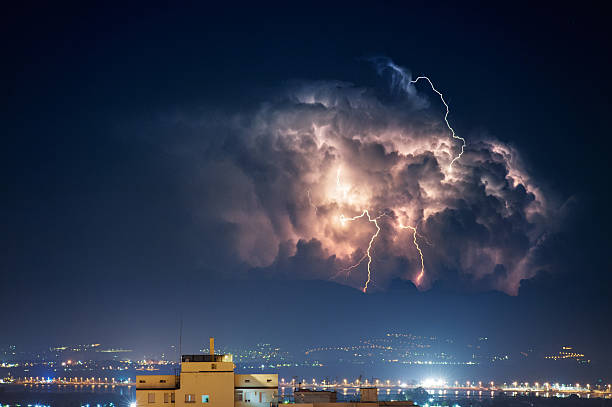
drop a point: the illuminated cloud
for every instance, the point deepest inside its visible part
(290, 179)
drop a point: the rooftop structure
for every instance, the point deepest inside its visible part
(207, 379)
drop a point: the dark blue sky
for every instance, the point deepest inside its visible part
(96, 226)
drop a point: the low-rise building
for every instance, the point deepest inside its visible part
(210, 380)
(207, 379)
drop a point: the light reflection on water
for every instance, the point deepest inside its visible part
(392, 394)
(71, 388)
(53, 395)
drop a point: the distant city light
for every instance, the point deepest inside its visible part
(431, 382)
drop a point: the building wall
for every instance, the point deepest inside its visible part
(315, 396)
(191, 367)
(256, 380)
(160, 397)
(156, 381)
(217, 385)
(369, 394)
(255, 390)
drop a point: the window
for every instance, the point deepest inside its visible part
(269, 380)
(151, 397)
(238, 395)
(172, 398)
(204, 398)
(142, 381)
(189, 398)
(247, 381)
(166, 397)
(162, 381)
(213, 366)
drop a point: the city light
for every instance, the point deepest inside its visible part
(431, 382)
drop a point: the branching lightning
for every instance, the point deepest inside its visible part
(450, 167)
(343, 195)
(343, 220)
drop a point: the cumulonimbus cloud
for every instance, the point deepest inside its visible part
(286, 176)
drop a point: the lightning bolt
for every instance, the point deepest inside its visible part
(344, 191)
(343, 220)
(416, 244)
(368, 255)
(456, 137)
(348, 270)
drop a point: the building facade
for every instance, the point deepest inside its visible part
(207, 380)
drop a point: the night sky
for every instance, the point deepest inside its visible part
(140, 182)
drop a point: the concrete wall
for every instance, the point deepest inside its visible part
(254, 397)
(305, 396)
(187, 367)
(160, 397)
(156, 382)
(255, 390)
(369, 394)
(256, 380)
(217, 385)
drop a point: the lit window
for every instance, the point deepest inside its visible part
(204, 398)
(189, 398)
(151, 397)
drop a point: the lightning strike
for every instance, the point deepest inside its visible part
(456, 137)
(343, 190)
(416, 244)
(347, 270)
(343, 220)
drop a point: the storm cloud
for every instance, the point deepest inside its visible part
(277, 183)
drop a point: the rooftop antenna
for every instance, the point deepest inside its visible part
(180, 355)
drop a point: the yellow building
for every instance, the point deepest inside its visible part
(207, 379)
